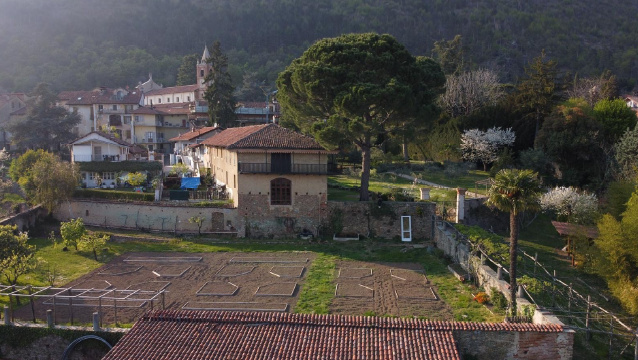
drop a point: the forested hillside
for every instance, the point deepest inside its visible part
(79, 44)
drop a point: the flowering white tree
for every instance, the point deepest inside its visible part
(568, 203)
(484, 146)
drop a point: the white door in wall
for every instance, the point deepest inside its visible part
(406, 228)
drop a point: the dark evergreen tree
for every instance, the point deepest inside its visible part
(187, 72)
(539, 90)
(47, 126)
(219, 94)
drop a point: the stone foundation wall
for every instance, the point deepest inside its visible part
(261, 219)
(151, 217)
(491, 345)
(370, 220)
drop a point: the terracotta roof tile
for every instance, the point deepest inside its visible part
(173, 90)
(253, 104)
(245, 335)
(98, 97)
(567, 229)
(268, 136)
(194, 134)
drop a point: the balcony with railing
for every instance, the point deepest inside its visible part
(98, 157)
(269, 168)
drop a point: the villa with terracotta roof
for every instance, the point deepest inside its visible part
(243, 335)
(103, 107)
(271, 171)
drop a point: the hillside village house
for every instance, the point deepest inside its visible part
(103, 107)
(632, 102)
(12, 107)
(186, 147)
(271, 172)
(98, 147)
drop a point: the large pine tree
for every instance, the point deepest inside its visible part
(187, 72)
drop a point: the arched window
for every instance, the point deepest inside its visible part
(280, 191)
(201, 73)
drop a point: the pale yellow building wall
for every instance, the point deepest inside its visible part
(223, 164)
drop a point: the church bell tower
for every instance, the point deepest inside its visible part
(203, 69)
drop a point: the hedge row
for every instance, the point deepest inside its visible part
(117, 166)
(113, 195)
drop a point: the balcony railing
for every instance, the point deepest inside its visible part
(264, 168)
(94, 157)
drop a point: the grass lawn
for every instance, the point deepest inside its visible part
(381, 183)
(316, 294)
(465, 181)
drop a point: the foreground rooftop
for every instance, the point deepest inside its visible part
(251, 335)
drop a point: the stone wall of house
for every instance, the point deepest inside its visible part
(490, 345)
(371, 220)
(27, 219)
(39, 343)
(264, 220)
(151, 216)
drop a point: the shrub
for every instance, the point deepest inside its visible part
(72, 231)
(498, 299)
(136, 178)
(113, 195)
(482, 298)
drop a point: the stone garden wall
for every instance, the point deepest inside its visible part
(27, 219)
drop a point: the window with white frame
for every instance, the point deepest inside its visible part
(114, 107)
(91, 176)
(108, 176)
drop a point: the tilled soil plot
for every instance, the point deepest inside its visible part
(399, 289)
(206, 281)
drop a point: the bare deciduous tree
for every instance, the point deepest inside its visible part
(470, 91)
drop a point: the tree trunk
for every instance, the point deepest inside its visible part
(95, 254)
(406, 154)
(484, 166)
(538, 126)
(513, 251)
(365, 173)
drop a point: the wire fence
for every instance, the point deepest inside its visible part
(569, 298)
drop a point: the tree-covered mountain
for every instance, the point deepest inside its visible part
(79, 44)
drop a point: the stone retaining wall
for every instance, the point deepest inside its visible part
(150, 217)
(27, 219)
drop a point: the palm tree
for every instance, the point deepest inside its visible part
(515, 191)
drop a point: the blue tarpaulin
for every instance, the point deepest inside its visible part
(190, 183)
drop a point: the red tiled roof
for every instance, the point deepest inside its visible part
(194, 134)
(567, 229)
(98, 97)
(147, 111)
(244, 335)
(268, 136)
(173, 90)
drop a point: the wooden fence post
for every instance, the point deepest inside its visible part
(588, 334)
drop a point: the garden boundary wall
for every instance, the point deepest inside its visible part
(27, 219)
(459, 251)
(528, 345)
(151, 217)
(381, 220)
(476, 212)
(367, 219)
